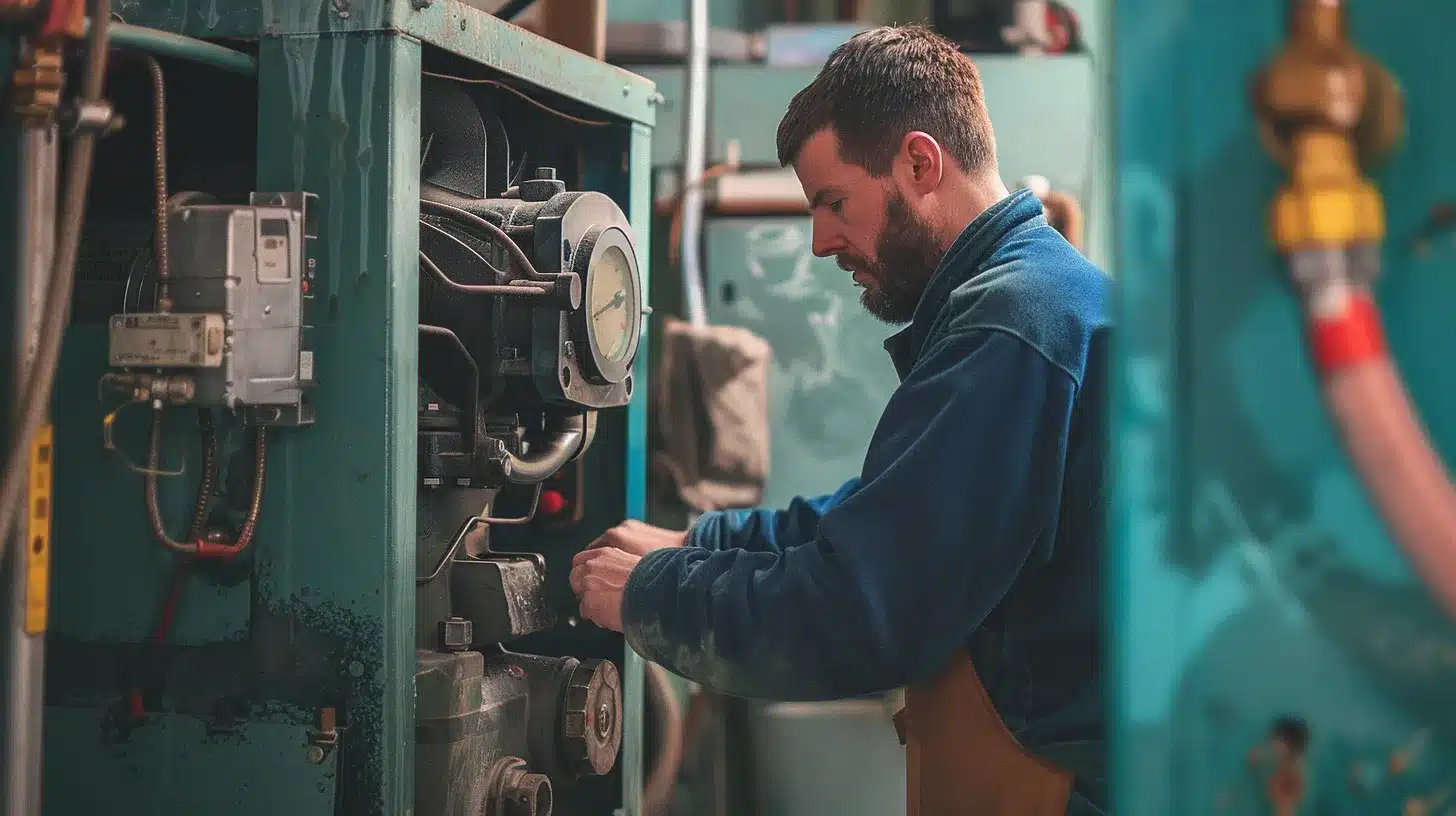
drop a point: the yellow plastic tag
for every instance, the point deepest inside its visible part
(38, 531)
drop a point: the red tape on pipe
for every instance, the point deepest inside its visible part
(1349, 338)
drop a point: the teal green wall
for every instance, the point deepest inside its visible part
(1252, 578)
(721, 13)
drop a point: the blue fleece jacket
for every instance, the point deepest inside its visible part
(976, 521)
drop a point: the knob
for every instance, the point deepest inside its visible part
(552, 502)
(591, 726)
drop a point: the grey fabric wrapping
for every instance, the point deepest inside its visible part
(713, 423)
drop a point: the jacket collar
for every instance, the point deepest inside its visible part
(965, 258)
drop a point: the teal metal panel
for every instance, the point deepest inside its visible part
(254, 18)
(89, 603)
(830, 377)
(172, 767)
(639, 211)
(510, 50)
(326, 599)
(340, 117)
(1251, 577)
(446, 24)
(667, 130)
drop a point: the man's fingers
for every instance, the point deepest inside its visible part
(611, 538)
(585, 556)
(595, 607)
(591, 608)
(581, 569)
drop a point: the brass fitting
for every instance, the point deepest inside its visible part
(1324, 110)
(177, 389)
(37, 83)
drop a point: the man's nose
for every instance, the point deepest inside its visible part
(827, 241)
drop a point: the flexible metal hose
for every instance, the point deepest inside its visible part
(255, 503)
(207, 430)
(205, 489)
(37, 394)
(159, 183)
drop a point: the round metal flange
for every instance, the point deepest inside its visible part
(591, 726)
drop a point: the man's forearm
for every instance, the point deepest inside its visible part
(764, 529)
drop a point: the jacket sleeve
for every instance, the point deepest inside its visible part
(766, 530)
(960, 486)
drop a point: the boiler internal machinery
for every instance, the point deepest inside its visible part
(354, 366)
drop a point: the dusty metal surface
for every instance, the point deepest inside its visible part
(449, 25)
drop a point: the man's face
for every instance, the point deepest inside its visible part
(869, 227)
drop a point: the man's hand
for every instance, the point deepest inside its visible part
(639, 539)
(599, 577)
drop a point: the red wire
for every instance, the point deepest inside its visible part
(164, 625)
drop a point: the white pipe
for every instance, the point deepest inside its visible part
(1387, 443)
(695, 149)
(25, 676)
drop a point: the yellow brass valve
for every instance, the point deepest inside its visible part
(1323, 110)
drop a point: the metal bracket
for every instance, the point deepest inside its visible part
(321, 743)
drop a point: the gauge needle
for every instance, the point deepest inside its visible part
(615, 302)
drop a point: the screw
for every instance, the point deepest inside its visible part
(604, 720)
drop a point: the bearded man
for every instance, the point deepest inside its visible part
(964, 562)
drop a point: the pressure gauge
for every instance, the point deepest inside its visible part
(610, 321)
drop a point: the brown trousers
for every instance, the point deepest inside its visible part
(960, 759)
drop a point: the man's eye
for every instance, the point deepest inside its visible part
(837, 206)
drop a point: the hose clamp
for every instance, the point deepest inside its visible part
(91, 117)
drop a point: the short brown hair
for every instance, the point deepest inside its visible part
(884, 83)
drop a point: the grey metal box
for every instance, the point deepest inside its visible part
(246, 267)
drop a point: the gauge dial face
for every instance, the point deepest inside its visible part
(611, 304)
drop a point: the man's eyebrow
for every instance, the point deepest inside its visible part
(821, 197)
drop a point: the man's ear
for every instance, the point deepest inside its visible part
(923, 162)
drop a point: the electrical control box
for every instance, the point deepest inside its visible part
(240, 289)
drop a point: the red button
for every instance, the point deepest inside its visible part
(552, 502)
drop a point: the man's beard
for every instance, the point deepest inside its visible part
(907, 255)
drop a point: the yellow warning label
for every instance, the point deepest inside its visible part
(38, 532)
